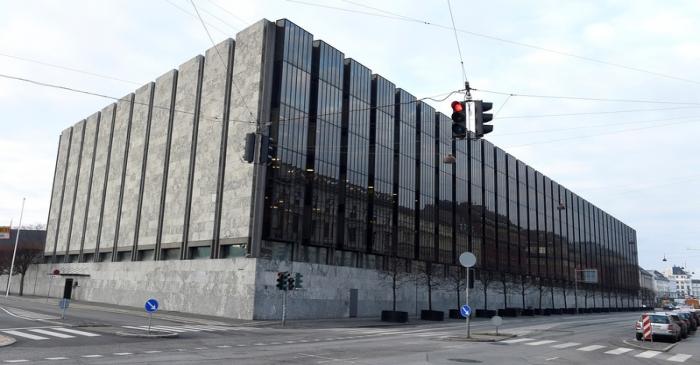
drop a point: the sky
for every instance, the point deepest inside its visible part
(632, 152)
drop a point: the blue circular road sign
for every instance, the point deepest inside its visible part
(465, 311)
(151, 305)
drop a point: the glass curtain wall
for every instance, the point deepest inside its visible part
(382, 172)
(449, 249)
(501, 216)
(356, 121)
(405, 171)
(359, 173)
(425, 176)
(289, 130)
(324, 150)
(476, 196)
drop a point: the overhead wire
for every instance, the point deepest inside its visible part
(396, 16)
(193, 15)
(459, 48)
(235, 85)
(243, 21)
(602, 125)
(303, 117)
(583, 98)
(71, 69)
(599, 134)
(592, 113)
(218, 119)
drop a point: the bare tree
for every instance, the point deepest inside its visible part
(526, 283)
(426, 275)
(456, 279)
(394, 272)
(486, 278)
(505, 286)
(26, 257)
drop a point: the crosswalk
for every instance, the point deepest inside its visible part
(371, 332)
(184, 329)
(48, 333)
(608, 350)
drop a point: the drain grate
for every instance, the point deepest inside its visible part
(466, 361)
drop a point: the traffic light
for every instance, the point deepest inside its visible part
(282, 280)
(298, 281)
(249, 150)
(268, 150)
(459, 119)
(290, 283)
(481, 118)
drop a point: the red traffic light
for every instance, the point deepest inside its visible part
(457, 106)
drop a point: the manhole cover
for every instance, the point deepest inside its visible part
(466, 361)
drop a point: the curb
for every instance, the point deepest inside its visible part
(502, 337)
(6, 340)
(153, 334)
(664, 349)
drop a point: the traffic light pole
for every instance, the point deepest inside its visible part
(284, 308)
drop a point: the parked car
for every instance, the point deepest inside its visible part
(680, 322)
(662, 326)
(692, 322)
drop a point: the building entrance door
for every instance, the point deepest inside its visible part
(353, 303)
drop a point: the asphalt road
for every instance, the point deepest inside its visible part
(583, 339)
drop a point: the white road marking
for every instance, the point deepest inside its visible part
(223, 346)
(76, 332)
(552, 358)
(618, 351)
(679, 357)
(565, 345)
(259, 344)
(538, 343)
(91, 356)
(200, 348)
(51, 333)
(516, 340)
(152, 351)
(171, 329)
(591, 348)
(647, 354)
(56, 358)
(26, 335)
(195, 328)
(122, 353)
(13, 361)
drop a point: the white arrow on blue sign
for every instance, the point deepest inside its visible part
(151, 305)
(465, 311)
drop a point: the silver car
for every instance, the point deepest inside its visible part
(662, 326)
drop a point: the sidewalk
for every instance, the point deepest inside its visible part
(50, 310)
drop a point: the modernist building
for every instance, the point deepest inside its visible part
(156, 183)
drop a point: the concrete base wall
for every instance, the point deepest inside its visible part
(245, 288)
(211, 287)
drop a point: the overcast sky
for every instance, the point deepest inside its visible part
(640, 163)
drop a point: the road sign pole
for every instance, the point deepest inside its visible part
(467, 302)
(150, 318)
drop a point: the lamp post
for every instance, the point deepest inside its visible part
(14, 253)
